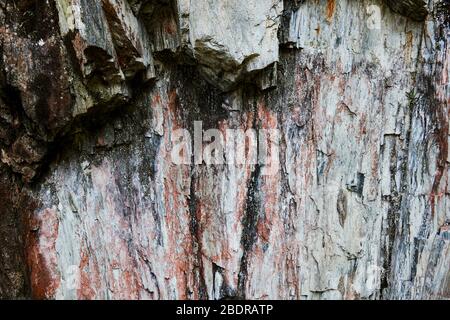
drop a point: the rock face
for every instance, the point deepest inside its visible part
(229, 38)
(414, 9)
(93, 94)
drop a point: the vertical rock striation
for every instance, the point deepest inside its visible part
(91, 96)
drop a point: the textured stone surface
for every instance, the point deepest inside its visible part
(415, 9)
(230, 37)
(91, 93)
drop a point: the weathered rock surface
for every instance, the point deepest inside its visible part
(230, 37)
(91, 93)
(227, 40)
(415, 9)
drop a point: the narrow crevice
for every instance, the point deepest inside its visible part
(249, 232)
(194, 228)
